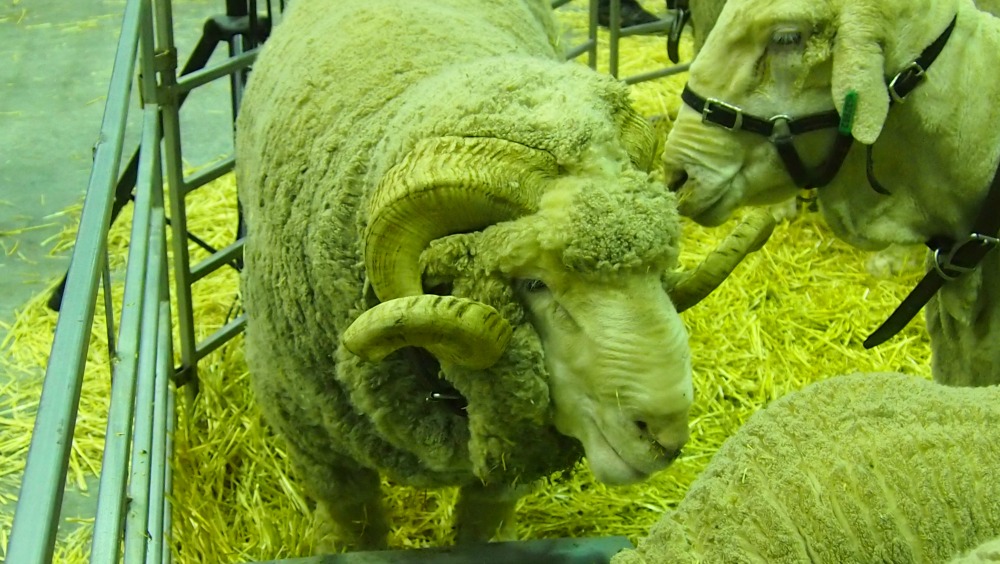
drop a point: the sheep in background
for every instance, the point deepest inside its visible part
(932, 157)
(704, 14)
(869, 467)
(456, 260)
(982, 554)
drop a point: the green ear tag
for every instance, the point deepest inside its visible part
(847, 115)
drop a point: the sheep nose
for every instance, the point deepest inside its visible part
(669, 433)
(677, 181)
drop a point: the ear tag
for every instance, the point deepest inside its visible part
(847, 115)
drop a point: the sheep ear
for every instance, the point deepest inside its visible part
(859, 65)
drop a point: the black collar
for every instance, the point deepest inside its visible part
(952, 259)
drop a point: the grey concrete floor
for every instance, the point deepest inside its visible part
(55, 64)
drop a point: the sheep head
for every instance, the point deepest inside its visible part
(793, 58)
(583, 252)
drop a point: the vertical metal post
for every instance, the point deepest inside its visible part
(592, 35)
(159, 457)
(188, 372)
(138, 486)
(36, 520)
(111, 500)
(614, 36)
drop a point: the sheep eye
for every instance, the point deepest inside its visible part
(534, 285)
(787, 38)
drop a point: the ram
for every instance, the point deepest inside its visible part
(704, 14)
(907, 164)
(867, 467)
(456, 260)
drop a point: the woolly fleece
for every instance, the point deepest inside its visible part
(871, 467)
(324, 117)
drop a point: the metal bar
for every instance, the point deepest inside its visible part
(168, 478)
(178, 215)
(142, 441)
(203, 76)
(667, 71)
(159, 459)
(579, 50)
(592, 35)
(221, 336)
(218, 259)
(109, 308)
(208, 174)
(167, 361)
(114, 466)
(646, 28)
(36, 520)
(111, 492)
(614, 36)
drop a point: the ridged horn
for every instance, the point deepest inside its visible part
(639, 140)
(446, 185)
(749, 236)
(455, 330)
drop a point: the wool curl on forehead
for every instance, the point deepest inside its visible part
(598, 231)
(614, 230)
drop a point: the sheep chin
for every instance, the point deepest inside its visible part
(607, 465)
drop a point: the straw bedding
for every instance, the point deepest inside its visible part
(794, 313)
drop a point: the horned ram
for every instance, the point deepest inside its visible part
(456, 260)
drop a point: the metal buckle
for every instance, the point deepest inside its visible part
(442, 396)
(736, 110)
(677, 23)
(913, 70)
(780, 130)
(948, 270)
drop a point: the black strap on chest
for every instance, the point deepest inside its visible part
(681, 16)
(952, 259)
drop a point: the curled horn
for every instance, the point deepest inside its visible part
(749, 236)
(639, 139)
(455, 330)
(445, 185)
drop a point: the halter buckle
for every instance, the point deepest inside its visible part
(711, 104)
(913, 72)
(945, 265)
(780, 130)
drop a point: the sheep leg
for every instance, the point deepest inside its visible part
(349, 507)
(484, 513)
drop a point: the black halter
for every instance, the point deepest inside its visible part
(952, 258)
(681, 16)
(781, 131)
(782, 128)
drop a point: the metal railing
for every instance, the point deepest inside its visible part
(133, 511)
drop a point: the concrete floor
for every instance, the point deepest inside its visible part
(55, 64)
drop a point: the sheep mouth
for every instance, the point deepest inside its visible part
(710, 207)
(611, 466)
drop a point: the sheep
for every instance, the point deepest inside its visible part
(982, 554)
(866, 467)
(456, 260)
(704, 14)
(928, 162)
